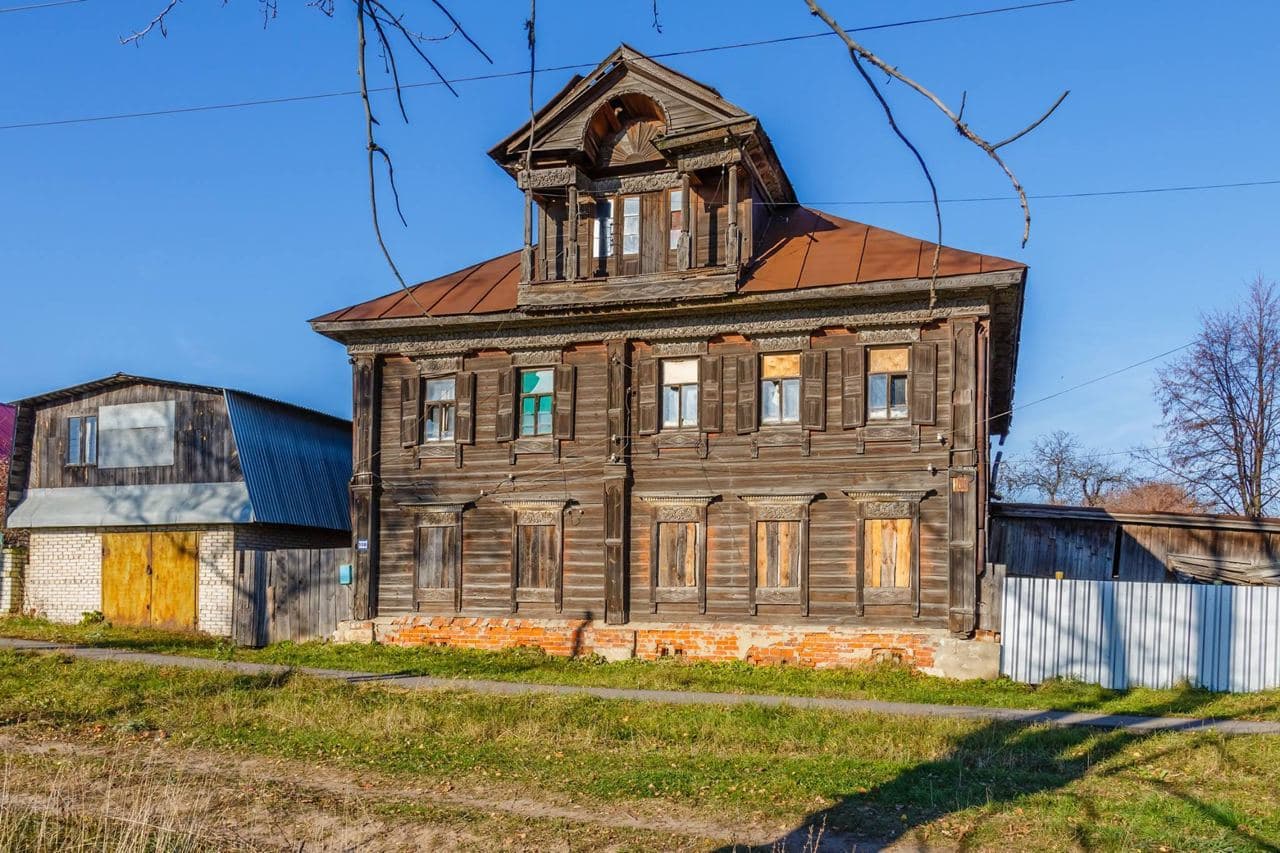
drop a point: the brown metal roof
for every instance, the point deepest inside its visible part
(801, 248)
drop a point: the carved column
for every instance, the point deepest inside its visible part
(733, 239)
(366, 392)
(617, 487)
(526, 253)
(571, 250)
(684, 248)
(962, 485)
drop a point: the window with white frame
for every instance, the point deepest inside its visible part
(675, 218)
(602, 231)
(631, 225)
(680, 393)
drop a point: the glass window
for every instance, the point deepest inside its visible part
(777, 554)
(677, 217)
(602, 232)
(680, 393)
(536, 389)
(82, 440)
(887, 383)
(887, 544)
(631, 225)
(439, 410)
(780, 389)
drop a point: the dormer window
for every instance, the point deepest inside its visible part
(602, 231)
(675, 207)
(630, 225)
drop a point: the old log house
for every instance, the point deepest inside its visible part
(688, 417)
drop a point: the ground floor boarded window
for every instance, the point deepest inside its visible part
(887, 552)
(777, 554)
(677, 554)
(536, 556)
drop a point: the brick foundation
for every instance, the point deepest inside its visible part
(811, 646)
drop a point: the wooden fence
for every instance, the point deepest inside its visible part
(1125, 634)
(289, 595)
(1085, 543)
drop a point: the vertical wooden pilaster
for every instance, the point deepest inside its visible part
(366, 394)
(684, 247)
(733, 236)
(526, 253)
(617, 486)
(571, 250)
(962, 485)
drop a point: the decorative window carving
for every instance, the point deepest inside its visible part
(537, 538)
(886, 546)
(778, 571)
(678, 547)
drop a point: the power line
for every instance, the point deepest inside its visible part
(1088, 382)
(506, 74)
(32, 6)
(1091, 194)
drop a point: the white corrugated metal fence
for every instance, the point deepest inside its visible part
(1125, 634)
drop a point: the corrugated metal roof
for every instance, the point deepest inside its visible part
(296, 463)
(801, 248)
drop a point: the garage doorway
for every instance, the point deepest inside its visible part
(149, 579)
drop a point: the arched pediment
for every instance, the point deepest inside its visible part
(622, 129)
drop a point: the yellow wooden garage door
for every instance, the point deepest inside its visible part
(150, 578)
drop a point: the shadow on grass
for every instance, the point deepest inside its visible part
(996, 765)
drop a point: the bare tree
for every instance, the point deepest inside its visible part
(1221, 417)
(1152, 496)
(1060, 470)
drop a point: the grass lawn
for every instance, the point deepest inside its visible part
(892, 683)
(979, 784)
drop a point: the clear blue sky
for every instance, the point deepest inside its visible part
(196, 246)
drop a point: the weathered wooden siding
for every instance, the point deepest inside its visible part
(904, 457)
(204, 448)
(1092, 544)
(289, 595)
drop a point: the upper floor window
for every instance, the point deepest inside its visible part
(887, 371)
(680, 393)
(631, 225)
(439, 409)
(602, 231)
(780, 389)
(676, 209)
(82, 440)
(537, 393)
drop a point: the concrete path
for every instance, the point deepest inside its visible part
(1130, 722)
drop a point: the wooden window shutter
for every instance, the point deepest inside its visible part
(710, 408)
(505, 423)
(646, 395)
(410, 410)
(813, 389)
(562, 417)
(746, 410)
(924, 383)
(853, 404)
(464, 394)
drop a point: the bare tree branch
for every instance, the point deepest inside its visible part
(956, 119)
(158, 22)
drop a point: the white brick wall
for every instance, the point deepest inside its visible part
(64, 574)
(216, 581)
(13, 563)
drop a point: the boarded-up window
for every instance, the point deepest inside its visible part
(887, 544)
(887, 371)
(777, 554)
(537, 556)
(436, 557)
(780, 389)
(677, 554)
(136, 435)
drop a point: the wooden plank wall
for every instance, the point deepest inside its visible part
(289, 595)
(1119, 547)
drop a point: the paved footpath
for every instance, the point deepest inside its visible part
(1131, 722)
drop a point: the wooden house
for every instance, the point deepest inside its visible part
(688, 416)
(138, 493)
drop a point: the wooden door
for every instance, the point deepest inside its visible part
(125, 583)
(173, 580)
(150, 578)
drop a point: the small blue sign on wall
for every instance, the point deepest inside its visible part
(362, 544)
(344, 574)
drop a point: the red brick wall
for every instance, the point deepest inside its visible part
(817, 646)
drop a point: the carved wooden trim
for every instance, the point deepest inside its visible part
(546, 356)
(627, 184)
(780, 343)
(625, 289)
(536, 510)
(538, 179)
(437, 364)
(437, 514)
(778, 505)
(678, 507)
(780, 436)
(668, 349)
(892, 335)
(886, 503)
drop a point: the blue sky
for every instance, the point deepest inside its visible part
(196, 246)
